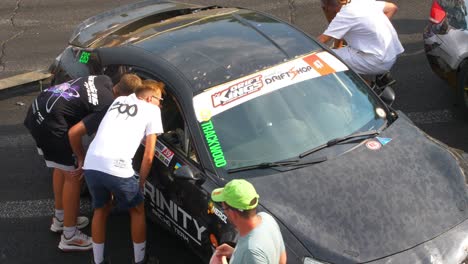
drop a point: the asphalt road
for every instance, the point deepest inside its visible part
(33, 33)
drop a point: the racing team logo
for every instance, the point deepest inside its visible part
(237, 91)
(289, 75)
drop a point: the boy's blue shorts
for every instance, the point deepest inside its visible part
(101, 185)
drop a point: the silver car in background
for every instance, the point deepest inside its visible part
(446, 45)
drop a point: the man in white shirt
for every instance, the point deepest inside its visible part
(372, 42)
(331, 7)
(108, 164)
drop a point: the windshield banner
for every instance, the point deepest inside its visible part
(228, 95)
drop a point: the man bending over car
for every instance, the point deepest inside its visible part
(51, 115)
(108, 164)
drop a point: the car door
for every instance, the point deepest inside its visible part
(177, 191)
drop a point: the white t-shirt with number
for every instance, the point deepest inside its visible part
(365, 28)
(126, 122)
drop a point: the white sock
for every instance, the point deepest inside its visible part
(139, 251)
(59, 214)
(98, 252)
(69, 231)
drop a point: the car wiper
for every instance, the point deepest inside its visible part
(335, 141)
(284, 163)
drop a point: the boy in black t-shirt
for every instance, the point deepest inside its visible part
(81, 101)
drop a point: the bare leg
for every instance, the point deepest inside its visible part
(71, 199)
(138, 223)
(57, 183)
(98, 226)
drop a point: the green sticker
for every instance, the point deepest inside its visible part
(84, 58)
(213, 144)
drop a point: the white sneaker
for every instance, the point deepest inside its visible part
(57, 225)
(78, 242)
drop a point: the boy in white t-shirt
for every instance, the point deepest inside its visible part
(372, 42)
(108, 163)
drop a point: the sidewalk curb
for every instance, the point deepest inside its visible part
(24, 78)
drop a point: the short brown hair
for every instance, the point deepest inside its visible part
(244, 213)
(151, 85)
(128, 84)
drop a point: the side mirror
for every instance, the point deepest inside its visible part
(388, 95)
(185, 173)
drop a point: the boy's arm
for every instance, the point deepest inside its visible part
(324, 38)
(75, 135)
(390, 9)
(148, 156)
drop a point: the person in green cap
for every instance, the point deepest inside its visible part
(260, 238)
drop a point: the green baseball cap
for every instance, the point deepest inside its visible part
(239, 194)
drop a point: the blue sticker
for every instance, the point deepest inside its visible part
(383, 141)
(177, 165)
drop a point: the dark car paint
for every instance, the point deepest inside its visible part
(217, 47)
(384, 201)
(121, 19)
(347, 241)
(208, 53)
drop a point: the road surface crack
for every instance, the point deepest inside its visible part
(4, 43)
(292, 11)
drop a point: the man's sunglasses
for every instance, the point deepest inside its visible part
(157, 98)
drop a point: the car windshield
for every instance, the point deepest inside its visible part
(284, 111)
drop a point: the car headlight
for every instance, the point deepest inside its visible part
(309, 260)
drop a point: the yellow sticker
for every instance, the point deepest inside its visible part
(205, 114)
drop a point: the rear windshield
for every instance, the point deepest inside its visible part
(457, 14)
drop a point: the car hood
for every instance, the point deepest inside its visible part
(368, 204)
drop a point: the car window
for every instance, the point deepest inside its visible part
(457, 14)
(281, 112)
(176, 132)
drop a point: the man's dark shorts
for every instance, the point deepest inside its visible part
(101, 185)
(56, 151)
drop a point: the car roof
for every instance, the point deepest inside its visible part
(209, 45)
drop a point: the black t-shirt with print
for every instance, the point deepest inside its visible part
(59, 107)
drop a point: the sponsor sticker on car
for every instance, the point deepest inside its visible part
(228, 95)
(163, 153)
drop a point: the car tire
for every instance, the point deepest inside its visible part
(462, 89)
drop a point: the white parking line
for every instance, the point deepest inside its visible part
(33, 208)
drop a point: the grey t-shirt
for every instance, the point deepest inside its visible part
(264, 244)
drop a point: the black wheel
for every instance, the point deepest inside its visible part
(462, 88)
